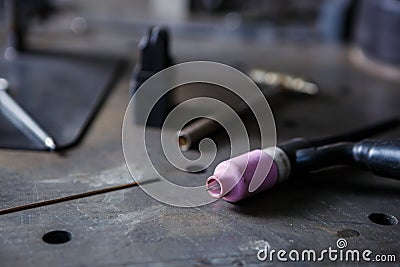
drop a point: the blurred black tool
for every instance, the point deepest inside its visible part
(377, 41)
(19, 14)
(379, 38)
(153, 57)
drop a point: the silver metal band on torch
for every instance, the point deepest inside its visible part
(281, 160)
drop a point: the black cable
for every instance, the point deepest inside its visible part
(321, 157)
(381, 157)
(291, 147)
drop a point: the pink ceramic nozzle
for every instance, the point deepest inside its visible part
(243, 176)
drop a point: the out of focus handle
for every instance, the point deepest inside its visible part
(380, 157)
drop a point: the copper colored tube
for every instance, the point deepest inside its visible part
(277, 82)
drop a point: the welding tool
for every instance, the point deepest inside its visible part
(258, 170)
(21, 119)
(201, 128)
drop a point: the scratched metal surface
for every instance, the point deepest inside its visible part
(130, 228)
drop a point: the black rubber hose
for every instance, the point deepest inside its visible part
(381, 157)
(292, 146)
(315, 158)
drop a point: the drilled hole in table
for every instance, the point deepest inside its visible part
(57, 237)
(383, 219)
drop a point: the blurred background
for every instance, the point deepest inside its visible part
(116, 26)
(272, 35)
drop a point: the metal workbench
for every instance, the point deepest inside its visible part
(128, 227)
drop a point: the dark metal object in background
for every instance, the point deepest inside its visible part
(59, 92)
(19, 14)
(276, 12)
(62, 93)
(15, 29)
(336, 19)
(377, 30)
(154, 56)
